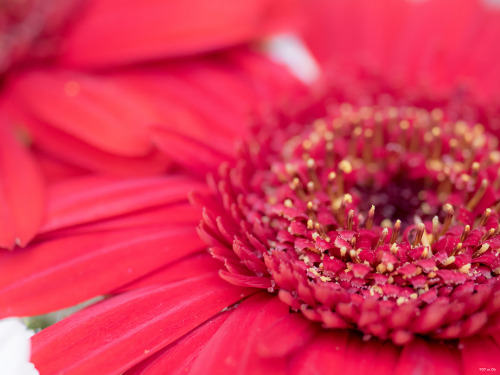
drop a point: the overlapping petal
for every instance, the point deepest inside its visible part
(114, 32)
(115, 334)
(22, 192)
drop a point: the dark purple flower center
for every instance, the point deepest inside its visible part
(383, 220)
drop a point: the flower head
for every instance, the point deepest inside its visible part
(381, 219)
(355, 238)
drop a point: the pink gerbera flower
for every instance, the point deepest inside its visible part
(354, 237)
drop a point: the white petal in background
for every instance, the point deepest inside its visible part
(289, 50)
(15, 348)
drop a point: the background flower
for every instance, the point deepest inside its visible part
(15, 348)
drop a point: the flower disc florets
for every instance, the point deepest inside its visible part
(382, 220)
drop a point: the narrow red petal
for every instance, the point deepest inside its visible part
(56, 143)
(196, 156)
(85, 199)
(177, 358)
(22, 192)
(112, 336)
(177, 214)
(196, 264)
(244, 280)
(232, 350)
(68, 270)
(123, 31)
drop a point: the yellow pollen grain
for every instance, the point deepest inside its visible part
(307, 144)
(465, 268)
(345, 166)
(483, 248)
(310, 224)
(290, 169)
(310, 186)
(386, 223)
(436, 131)
(404, 125)
(449, 261)
(381, 268)
(288, 203)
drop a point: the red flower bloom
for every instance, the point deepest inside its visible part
(354, 239)
(68, 85)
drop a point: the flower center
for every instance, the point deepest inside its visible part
(377, 219)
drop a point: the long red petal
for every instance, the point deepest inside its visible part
(285, 336)
(57, 144)
(324, 354)
(89, 107)
(124, 31)
(194, 155)
(480, 353)
(174, 215)
(185, 268)
(428, 357)
(81, 200)
(22, 192)
(72, 269)
(232, 349)
(114, 335)
(177, 358)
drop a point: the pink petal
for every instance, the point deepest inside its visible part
(92, 108)
(56, 143)
(22, 192)
(429, 357)
(244, 280)
(480, 352)
(177, 358)
(196, 156)
(85, 199)
(124, 31)
(323, 355)
(191, 266)
(112, 336)
(177, 214)
(285, 336)
(72, 269)
(232, 348)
